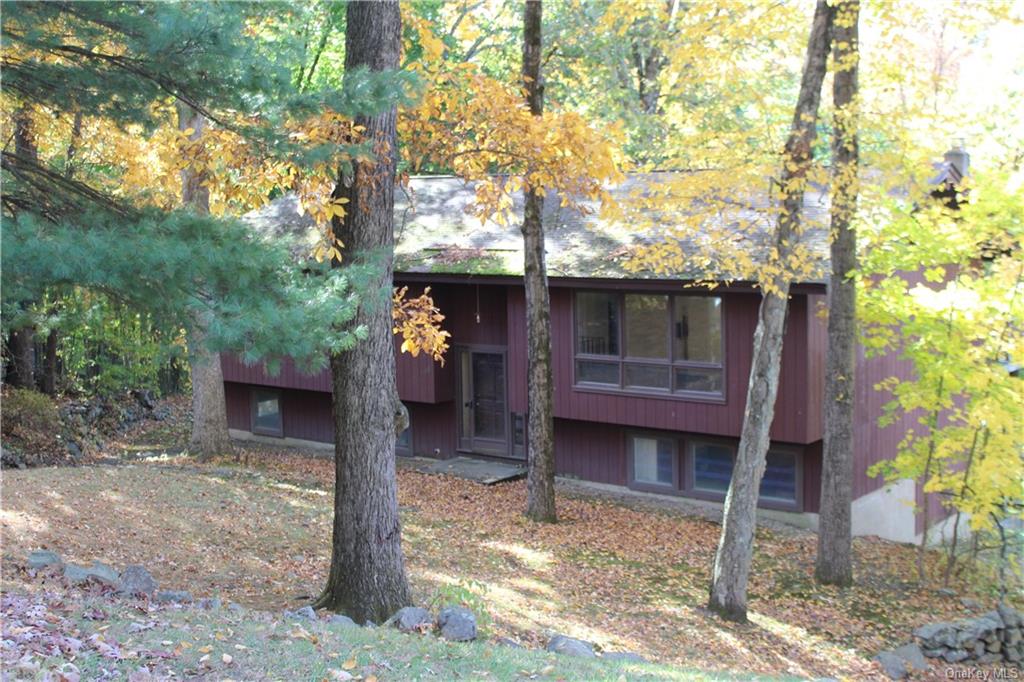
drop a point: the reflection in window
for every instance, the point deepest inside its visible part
(653, 460)
(647, 326)
(266, 418)
(779, 482)
(597, 324)
(712, 467)
(698, 328)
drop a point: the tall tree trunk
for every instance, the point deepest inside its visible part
(21, 342)
(209, 409)
(367, 577)
(834, 564)
(540, 482)
(728, 594)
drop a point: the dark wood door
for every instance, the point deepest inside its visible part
(483, 397)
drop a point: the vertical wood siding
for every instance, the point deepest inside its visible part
(873, 443)
(289, 377)
(433, 429)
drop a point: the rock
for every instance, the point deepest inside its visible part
(173, 597)
(894, 667)
(457, 624)
(370, 625)
(990, 658)
(306, 612)
(209, 603)
(344, 621)
(161, 413)
(74, 450)
(1012, 635)
(979, 650)
(994, 648)
(511, 643)
(75, 574)
(136, 580)
(236, 608)
(912, 654)
(102, 573)
(42, 558)
(560, 644)
(946, 592)
(933, 653)
(1011, 617)
(412, 619)
(624, 656)
(1012, 654)
(145, 398)
(954, 655)
(969, 603)
(937, 635)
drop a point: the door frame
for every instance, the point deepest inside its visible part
(470, 445)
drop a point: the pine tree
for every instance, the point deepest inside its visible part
(367, 576)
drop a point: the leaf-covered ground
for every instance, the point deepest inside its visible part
(625, 577)
(65, 635)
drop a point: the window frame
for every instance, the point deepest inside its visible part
(670, 363)
(673, 488)
(254, 402)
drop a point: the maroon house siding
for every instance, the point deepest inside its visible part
(433, 429)
(305, 415)
(592, 427)
(289, 376)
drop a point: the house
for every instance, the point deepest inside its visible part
(650, 374)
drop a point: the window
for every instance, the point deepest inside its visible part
(654, 461)
(712, 465)
(650, 343)
(780, 477)
(266, 412)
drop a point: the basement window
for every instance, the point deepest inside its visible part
(266, 412)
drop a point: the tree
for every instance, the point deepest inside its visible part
(21, 340)
(209, 436)
(540, 482)
(731, 569)
(834, 565)
(367, 576)
(477, 127)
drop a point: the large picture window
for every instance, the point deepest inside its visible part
(647, 342)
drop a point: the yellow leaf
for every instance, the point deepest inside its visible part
(349, 664)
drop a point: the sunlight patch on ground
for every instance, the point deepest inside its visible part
(534, 559)
(22, 522)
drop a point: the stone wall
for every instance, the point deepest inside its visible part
(990, 638)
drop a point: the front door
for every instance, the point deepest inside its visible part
(483, 415)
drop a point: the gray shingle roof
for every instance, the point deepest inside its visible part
(436, 234)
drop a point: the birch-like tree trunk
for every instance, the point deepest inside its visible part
(834, 565)
(728, 594)
(540, 481)
(209, 409)
(367, 577)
